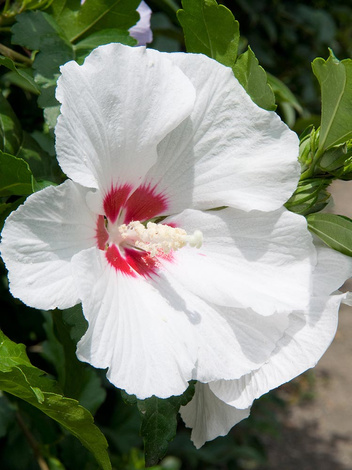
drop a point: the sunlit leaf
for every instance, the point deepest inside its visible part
(335, 79)
(20, 378)
(254, 80)
(210, 29)
(334, 230)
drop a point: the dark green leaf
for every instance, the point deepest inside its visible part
(210, 29)
(74, 318)
(20, 378)
(7, 208)
(254, 80)
(41, 164)
(78, 379)
(282, 93)
(7, 415)
(159, 423)
(334, 230)
(29, 84)
(79, 21)
(335, 79)
(15, 176)
(10, 128)
(106, 36)
(38, 31)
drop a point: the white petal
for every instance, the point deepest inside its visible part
(39, 240)
(229, 151)
(302, 345)
(208, 416)
(309, 335)
(155, 336)
(116, 108)
(141, 31)
(132, 330)
(248, 259)
(332, 270)
(228, 341)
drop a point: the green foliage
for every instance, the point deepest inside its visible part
(21, 75)
(254, 80)
(286, 100)
(310, 196)
(38, 31)
(335, 79)
(106, 36)
(77, 379)
(159, 422)
(79, 21)
(10, 128)
(20, 378)
(210, 29)
(15, 176)
(334, 230)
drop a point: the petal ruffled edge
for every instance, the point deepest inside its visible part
(39, 240)
(115, 109)
(208, 416)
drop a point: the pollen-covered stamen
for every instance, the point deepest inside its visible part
(156, 238)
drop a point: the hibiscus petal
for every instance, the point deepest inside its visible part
(116, 108)
(228, 151)
(248, 259)
(155, 336)
(132, 330)
(208, 416)
(229, 341)
(39, 240)
(308, 336)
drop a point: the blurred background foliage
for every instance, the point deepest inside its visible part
(285, 36)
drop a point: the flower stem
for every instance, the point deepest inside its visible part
(16, 56)
(32, 442)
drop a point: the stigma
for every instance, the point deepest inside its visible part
(153, 238)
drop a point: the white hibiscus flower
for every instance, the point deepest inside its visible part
(144, 135)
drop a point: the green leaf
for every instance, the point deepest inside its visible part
(334, 230)
(14, 8)
(10, 128)
(7, 208)
(15, 176)
(20, 378)
(29, 84)
(282, 93)
(77, 379)
(42, 165)
(210, 29)
(159, 423)
(79, 21)
(254, 80)
(38, 31)
(106, 36)
(335, 79)
(310, 196)
(7, 414)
